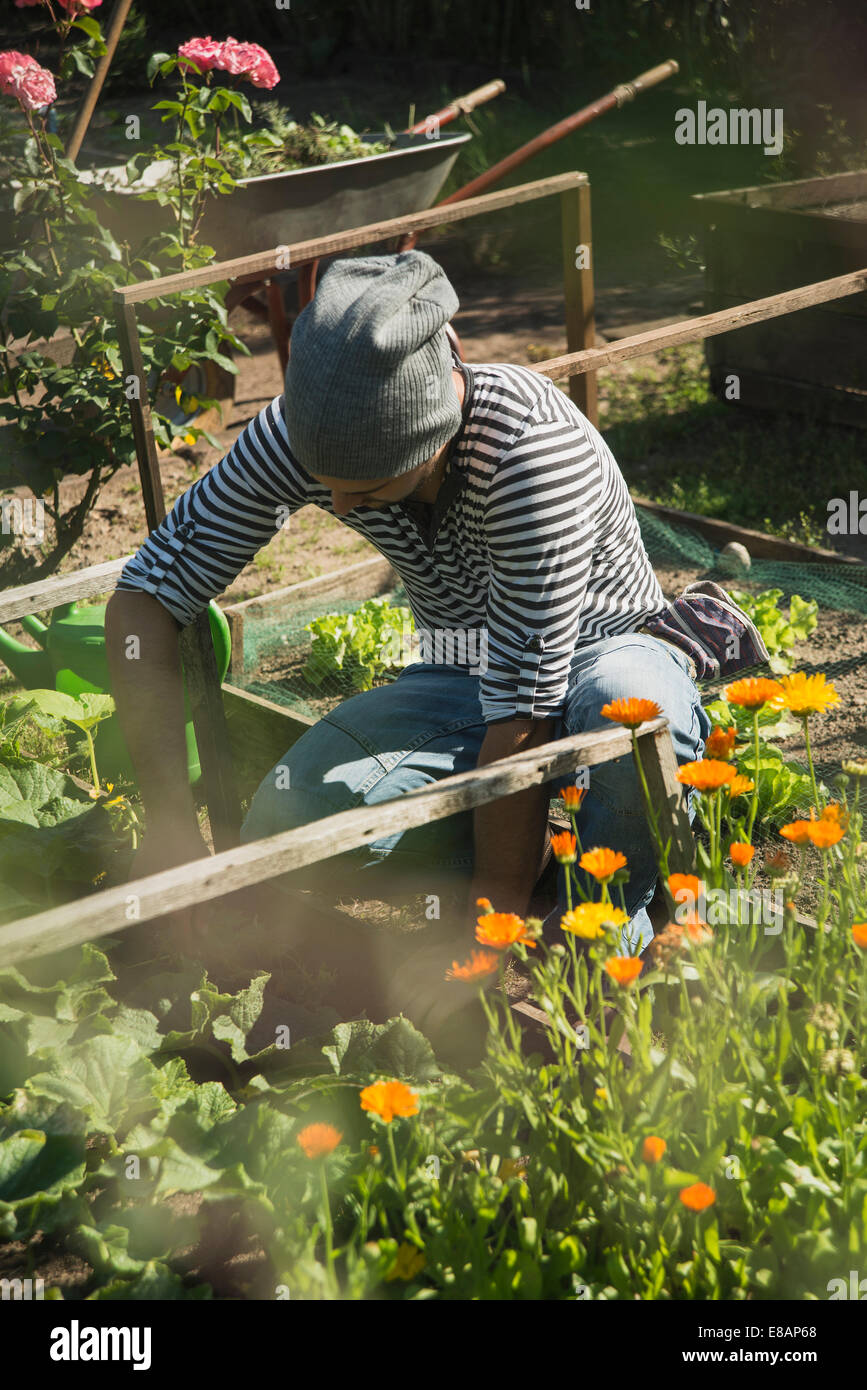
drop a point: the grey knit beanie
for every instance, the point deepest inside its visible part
(369, 390)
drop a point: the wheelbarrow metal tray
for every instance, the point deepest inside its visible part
(765, 240)
(299, 204)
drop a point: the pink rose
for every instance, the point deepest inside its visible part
(205, 53)
(65, 4)
(22, 77)
(249, 60)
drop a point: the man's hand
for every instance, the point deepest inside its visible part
(510, 834)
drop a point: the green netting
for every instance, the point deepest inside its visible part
(277, 646)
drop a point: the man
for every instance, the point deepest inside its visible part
(509, 522)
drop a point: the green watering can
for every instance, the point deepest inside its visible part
(73, 660)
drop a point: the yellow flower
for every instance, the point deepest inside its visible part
(513, 1168)
(601, 1093)
(803, 694)
(589, 920)
(408, 1262)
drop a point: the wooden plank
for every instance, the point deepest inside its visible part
(265, 263)
(656, 751)
(816, 350)
(82, 120)
(140, 414)
(706, 326)
(60, 588)
(831, 188)
(746, 266)
(141, 900)
(260, 732)
(790, 225)
(760, 545)
(578, 286)
(366, 577)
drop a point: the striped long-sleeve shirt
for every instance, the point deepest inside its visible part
(534, 540)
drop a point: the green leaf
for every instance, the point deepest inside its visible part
(106, 1078)
(84, 710)
(155, 1282)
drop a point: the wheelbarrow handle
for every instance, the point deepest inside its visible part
(460, 106)
(627, 91)
(479, 95)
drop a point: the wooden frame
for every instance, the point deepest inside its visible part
(112, 910)
(107, 912)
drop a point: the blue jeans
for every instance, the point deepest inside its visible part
(427, 724)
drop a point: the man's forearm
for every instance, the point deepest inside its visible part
(144, 662)
(509, 834)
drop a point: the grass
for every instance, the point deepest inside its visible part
(679, 446)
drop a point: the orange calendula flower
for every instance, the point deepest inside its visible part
(721, 743)
(564, 847)
(630, 713)
(389, 1098)
(485, 904)
(624, 969)
(318, 1140)
(752, 691)
(739, 785)
(480, 963)
(859, 935)
(408, 1262)
(653, 1148)
(698, 1196)
(825, 833)
(501, 930)
(685, 886)
(741, 853)
(573, 796)
(707, 775)
(803, 694)
(797, 831)
(602, 863)
(589, 920)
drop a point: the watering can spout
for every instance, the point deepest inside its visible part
(32, 669)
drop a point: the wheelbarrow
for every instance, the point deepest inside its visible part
(426, 131)
(617, 97)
